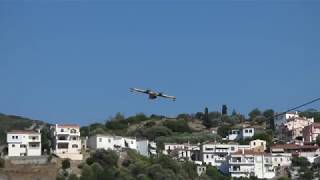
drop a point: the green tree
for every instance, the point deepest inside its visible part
(269, 114)
(73, 177)
(87, 173)
(206, 121)
(97, 171)
(177, 126)
(66, 164)
(45, 136)
(106, 158)
(224, 110)
(254, 113)
(300, 162)
(223, 130)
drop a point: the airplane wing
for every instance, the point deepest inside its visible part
(167, 96)
(139, 90)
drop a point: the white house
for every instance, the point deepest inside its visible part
(246, 163)
(217, 154)
(281, 159)
(237, 134)
(66, 141)
(109, 142)
(281, 118)
(183, 151)
(24, 143)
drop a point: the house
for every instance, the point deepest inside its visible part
(183, 151)
(66, 141)
(293, 128)
(310, 152)
(24, 143)
(258, 145)
(217, 154)
(237, 134)
(247, 163)
(281, 118)
(117, 143)
(311, 132)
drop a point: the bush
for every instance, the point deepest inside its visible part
(73, 177)
(155, 132)
(106, 158)
(150, 124)
(2, 163)
(66, 164)
(300, 162)
(223, 131)
(177, 126)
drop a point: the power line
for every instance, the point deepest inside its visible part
(297, 107)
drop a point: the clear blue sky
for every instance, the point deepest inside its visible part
(74, 62)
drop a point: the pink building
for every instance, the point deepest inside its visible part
(293, 128)
(311, 132)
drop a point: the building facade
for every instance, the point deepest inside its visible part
(247, 163)
(311, 132)
(237, 134)
(24, 143)
(67, 141)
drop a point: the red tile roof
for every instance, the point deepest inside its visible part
(294, 146)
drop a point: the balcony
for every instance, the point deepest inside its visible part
(221, 151)
(239, 170)
(242, 161)
(220, 159)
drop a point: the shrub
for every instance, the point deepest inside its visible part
(66, 164)
(106, 158)
(177, 126)
(300, 161)
(2, 163)
(73, 177)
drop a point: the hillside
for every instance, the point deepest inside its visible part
(10, 122)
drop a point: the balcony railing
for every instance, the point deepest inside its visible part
(239, 170)
(242, 161)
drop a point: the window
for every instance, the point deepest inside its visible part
(250, 131)
(131, 142)
(212, 156)
(23, 146)
(74, 138)
(246, 131)
(73, 131)
(254, 143)
(109, 140)
(13, 145)
(34, 145)
(207, 156)
(13, 137)
(100, 139)
(262, 144)
(62, 130)
(74, 146)
(16, 137)
(232, 148)
(281, 159)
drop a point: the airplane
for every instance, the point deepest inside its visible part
(152, 94)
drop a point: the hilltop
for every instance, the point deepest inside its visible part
(10, 122)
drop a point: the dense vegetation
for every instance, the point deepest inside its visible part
(105, 165)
